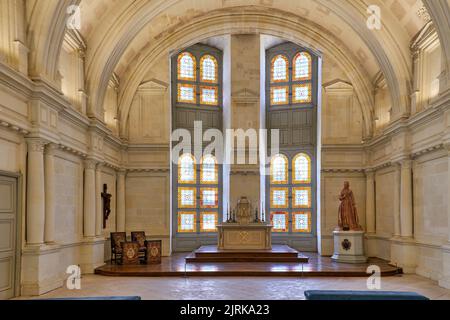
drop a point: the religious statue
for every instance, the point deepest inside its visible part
(106, 197)
(348, 216)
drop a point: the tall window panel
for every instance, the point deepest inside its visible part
(197, 183)
(291, 107)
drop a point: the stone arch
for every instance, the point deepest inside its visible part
(302, 34)
(46, 29)
(382, 45)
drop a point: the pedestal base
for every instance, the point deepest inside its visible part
(349, 247)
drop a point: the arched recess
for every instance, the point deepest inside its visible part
(118, 38)
(439, 11)
(46, 29)
(304, 34)
(394, 62)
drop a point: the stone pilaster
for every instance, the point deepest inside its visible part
(403, 248)
(98, 201)
(406, 210)
(445, 279)
(121, 201)
(397, 183)
(35, 192)
(49, 234)
(89, 198)
(370, 202)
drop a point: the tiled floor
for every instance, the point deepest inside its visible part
(235, 288)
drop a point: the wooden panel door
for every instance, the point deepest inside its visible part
(8, 218)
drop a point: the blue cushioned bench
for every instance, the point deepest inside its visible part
(361, 295)
(95, 298)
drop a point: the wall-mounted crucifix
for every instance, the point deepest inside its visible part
(106, 197)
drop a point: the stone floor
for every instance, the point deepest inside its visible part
(235, 288)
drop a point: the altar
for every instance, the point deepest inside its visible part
(244, 230)
(233, 236)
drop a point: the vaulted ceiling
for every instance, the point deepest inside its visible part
(127, 37)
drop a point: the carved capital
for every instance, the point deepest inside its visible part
(36, 145)
(370, 173)
(90, 164)
(121, 172)
(50, 149)
(406, 163)
(99, 166)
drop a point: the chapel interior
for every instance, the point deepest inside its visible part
(92, 92)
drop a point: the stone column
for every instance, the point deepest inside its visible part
(397, 186)
(121, 208)
(49, 235)
(406, 210)
(370, 201)
(98, 201)
(35, 192)
(445, 279)
(89, 198)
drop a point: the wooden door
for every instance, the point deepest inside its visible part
(8, 218)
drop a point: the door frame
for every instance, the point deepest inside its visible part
(19, 219)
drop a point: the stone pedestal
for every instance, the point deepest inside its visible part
(349, 247)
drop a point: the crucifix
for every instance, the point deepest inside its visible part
(106, 197)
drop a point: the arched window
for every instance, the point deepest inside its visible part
(302, 66)
(186, 66)
(302, 168)
(196, 189)
(291, 107)
(186, 169)
(279, 170)
(209, 172)
(279, 68)
(208, 69)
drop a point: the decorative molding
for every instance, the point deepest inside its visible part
(423, 13)
(245, 97)
(14, 128)
(428, 150)
(154, 86)
(343, 170)
(152, 170)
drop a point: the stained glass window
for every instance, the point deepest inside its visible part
(186, 93)
(280, 65)
(208, 95)
(279, 197)
(302, 168)
(186, 66)
(209, 172)
(208, 221)
(209, 198)
(301, 197)
(186, 169)
(279, 170)
(187, 198)
(279, 221)
(279, 95)
(302, 93)
(302, 66)
(208, 69)
(186, 222)
(302, 222)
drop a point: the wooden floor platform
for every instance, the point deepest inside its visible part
(176, 266)
(278, 253)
